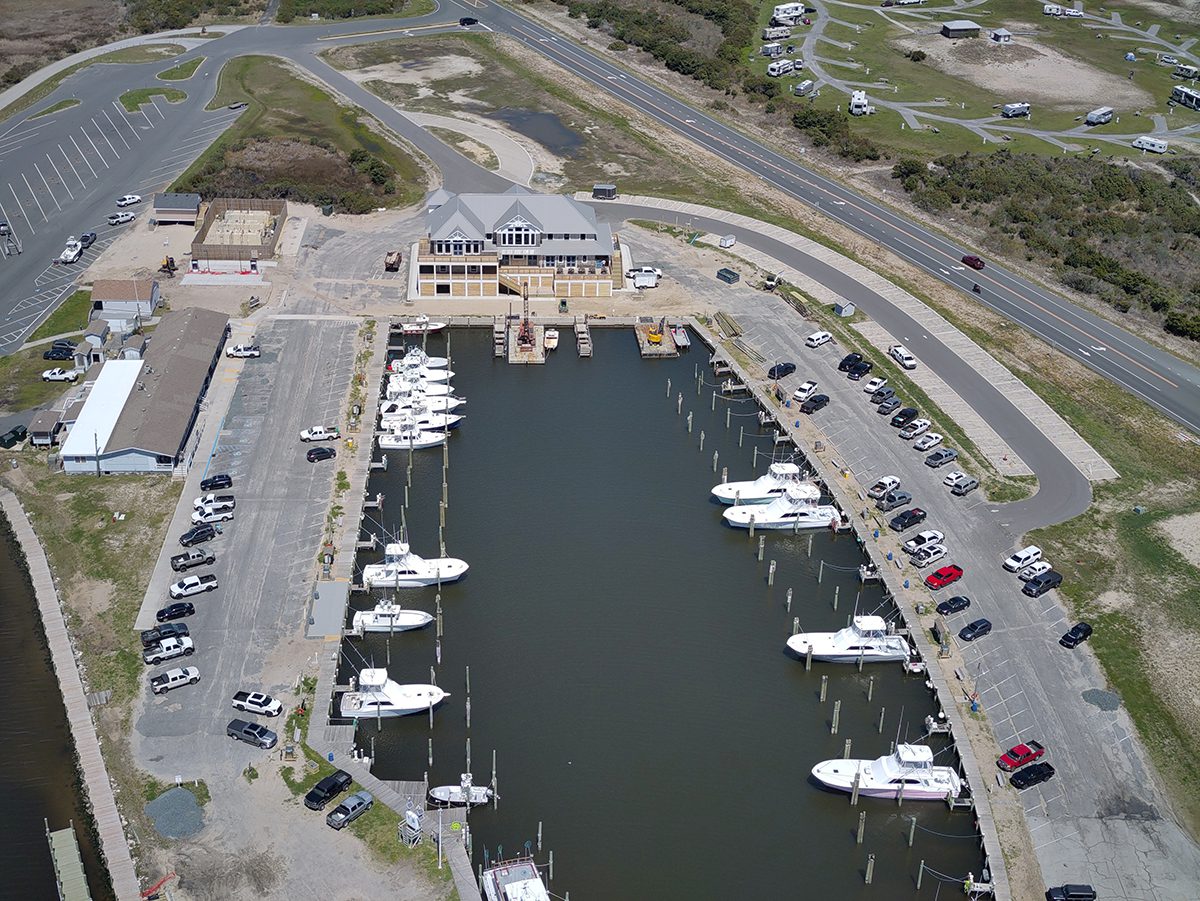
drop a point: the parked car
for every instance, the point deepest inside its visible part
(87, 239)
(327, 789)
(928, 441)
(197, 534)
(192, 585)
(1071, 892)
(953, 476)
(243, 351)
(903, 356)
(883, 486)
(805, 391)
(467, 21)
(175, 611)
(168, 649)
(816, 339)
(922, 539)
(947, 575)
(191, 559)
(1076, 635)
(915, 428)
(1039, 585)
(856, 372)
(905, 416)
(1023, 558)
(642, 270)
(941, 457)
(241, 104)
(879, 395)
(218, 501)
(173, 678)
(252, 734)
(59, 375)
(350, 809)
(973, 261)
(151, 637)
(956, 604)
(66, 343)
(320, 453)
(129, 199)
(58, 354)
(1035, 569)
(1019, 755)
(848, 361)
(813, 404)
(121, 218)
(889, 406)
(927, 555)
(320, 433)
(1031, 776)
(874, 385)
(217, 483)
(964, 486)
(892, 500)
(781, 370)
(975, 630)
(257, 702)
(907, 519)
(211, 515)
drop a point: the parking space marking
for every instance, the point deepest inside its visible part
(29, 188)
(24, 215)
(47, 184)
(106, 140)
(116, 130)
(82, 183)
(62, 180)
(998, 684)
(124, 117)
(154, 104)
(83, 156)
(142, 110)
(94, 147)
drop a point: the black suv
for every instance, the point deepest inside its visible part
(1071, 893)
(217, 483)
(197, 534)
(1031, 775)
(815, 403)
(327, 789)
(151, 637)
(1078, 634)
(781, 370)
(955, 604)
(858, 370)
(907, 519)
(848, 361)
(321, 453)
(175, 611)
(905, 416)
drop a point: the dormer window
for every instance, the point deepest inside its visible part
(518, 232)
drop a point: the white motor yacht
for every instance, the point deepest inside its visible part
(423, 417)
(377, 695)
(414, 355)
(414, 369)
(399, 384)
(389, 617)
(909, 769)
(795, 509)
(407, 435)
(401, 568)
(462, 795)
(422, 325)
(442, 404)
(762, 490)
(550, 339)
(867, 637)
(514, 880)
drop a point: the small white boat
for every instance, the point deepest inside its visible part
(550, 340)
(462, 795)
(909, 769)
(679, 334)
(401, 568)
(399, 384)
(422, 417)
(414, 355)
(795, 509)
(422, 326)
(867, 637)
(389, 617)
(377, 695)
(407, 435)
(762, 490)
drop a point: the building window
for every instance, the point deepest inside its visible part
(443, 289)
(426, 270)
(443, 270)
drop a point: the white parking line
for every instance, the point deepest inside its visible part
(114, 128)
(154, 104)
(106, 140)
(142, 110)
(47, 184)
(82, 156)
(1052, 841)
(60, 176)
(82, 184)
(998, 684)
(94, 147)
(124, 118)
(35, 200)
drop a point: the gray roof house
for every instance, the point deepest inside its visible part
(176, 209)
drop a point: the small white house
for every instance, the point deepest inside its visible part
(125, 298)
(1154, 145)
(1001, 36)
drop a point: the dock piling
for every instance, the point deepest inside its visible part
(771, 574)
(468, 754)
(870, 687)
(741, 434)
(431, 752)
(882, 711)
(810, 541)
(751, 525)
(796, 626)
(728, 414)
(837, 713)
(788, 601)
(539, 835)
(862, 827)
(724, 474)
(754, 465)
(762, 544)
(824, 687)
(689, 423)
(835, 596)
(870, 868)
(551, 866)
(912, 829)
(854, 787)
(702, 440)
(668, 394)
(713, 405)
(716, 456)
(821, 572)
(808, 659)
(920, 873)
(846, 750)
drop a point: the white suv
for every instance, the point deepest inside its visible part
(816, 339)
(900, 354)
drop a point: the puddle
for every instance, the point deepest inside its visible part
(545, 128)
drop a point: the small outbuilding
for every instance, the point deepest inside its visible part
(960, 28)
(176, 209)
(1001, 36)
(43, 431)
(125, 298)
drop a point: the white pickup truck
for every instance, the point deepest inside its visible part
(257, 702)
(320, 433)
(167, 649)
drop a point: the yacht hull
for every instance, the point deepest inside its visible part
(450, 569)
(402, 621)
(823, 651)
(815, 518)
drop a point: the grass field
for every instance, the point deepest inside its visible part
(56, 108)
(183, 71)
(21, 385)
(70, 316)
(133, 100)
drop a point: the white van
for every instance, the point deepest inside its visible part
(1012, 110)
(901, 355)
(1023, 558)
(780, 67)
(816, 339)
(1154, 145)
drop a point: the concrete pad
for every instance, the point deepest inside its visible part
(328, 611)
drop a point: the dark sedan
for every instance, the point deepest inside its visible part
(217, 483)
(59, 354)
(974, 630)
(848, 361)
(781, 370)
(907, 519)
(889, 406)
(1031, 776)
(815, 403)
(321, 453)
(858, 370)
(175, 611)
(956, 604)
(1078, 634)
(87, 239)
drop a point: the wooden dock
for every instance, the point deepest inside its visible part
(499, 338)
(583, 337)
(664, 350)
(526, 355)
(94, 775)
(68, 867)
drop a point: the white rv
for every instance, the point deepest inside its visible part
(1052, 9)
(1185, 96)
(771, 50)
(859, 105)
(803, 88)
(774, 34)
(1101, 116)
(1013, 110)
(780, 67)
(1154, 145)
(788, 11)
(1182, 71)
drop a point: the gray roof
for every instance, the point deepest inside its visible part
(477, 215)
(960, 25)
(177, 201)
(46, 421)
(158, 415)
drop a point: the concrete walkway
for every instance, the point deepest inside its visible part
(99, 792)
(1081, 454)
(515, 162)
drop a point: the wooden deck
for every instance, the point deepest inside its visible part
(98, 789)
(534, 354)
(661, 351)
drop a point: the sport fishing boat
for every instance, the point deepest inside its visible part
(795, 509)
(387, 616)
(407, 435)
(550, 339)
(514, 880)
(414, 368)
(908, 769)
(403, 382)
(423, 417)
(441, 404)
(866, 638)
(762, 490)
(422, 326)
(415, 356)
(401, 568)
(377, 695)
(462, 795)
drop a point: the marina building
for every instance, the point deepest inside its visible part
(496, 245)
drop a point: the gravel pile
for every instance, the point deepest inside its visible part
(176, 814)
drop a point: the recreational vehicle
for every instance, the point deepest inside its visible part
(1101, 116)
(788, 11)
(858, 104)
(1182, 71)
(771, 50)
(1013, 110)
(1185, 96)
(1154, 145)
(803, 88)
(780, 67)
(774, 34)
(1052, 9)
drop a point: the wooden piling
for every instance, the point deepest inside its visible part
(870, 868)
(836, 591)
(870, 687)
(716, 457)
(808, 659)
(837, 713)
(846, 750)
(824, 687)
(862, 827)
(788, 601)
(854, 787)
(762, 544)
(912, 830)
(920, 873)
(771, 574)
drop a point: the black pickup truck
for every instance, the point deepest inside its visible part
(151, 637)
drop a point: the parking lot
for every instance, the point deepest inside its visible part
(1100, 816)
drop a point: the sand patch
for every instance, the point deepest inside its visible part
(1183, 534)
(1027, 70)
(418, 71)
(1115, 601)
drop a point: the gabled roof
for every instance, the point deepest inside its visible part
(176, 201)
(102, 408)
(134, 289)
(480, 214)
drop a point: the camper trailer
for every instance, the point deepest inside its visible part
(1052, 9)
(1185, 96)
(1071, 13)
(1154, 145)
(803, 88)
(1182, 71)
(858, 104)
(779, 67)
(774, 34)
(1014, 110)
(771, 51)
(788, 11)
(1101, 116)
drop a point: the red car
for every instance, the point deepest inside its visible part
(1020, 755)
(973, 261)
(947, 575)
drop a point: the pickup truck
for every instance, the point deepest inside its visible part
(391, 262)
(191, 559)
(173, 678)
(257, 702)
(320, 433)
(252, 734)
(1020, 755)
(168, 649)
(151, 637)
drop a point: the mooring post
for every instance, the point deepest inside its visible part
(920, 873)
(860, 661)
(668, 395)
(728, 414)
(796, 627)
(679, 404)
(824, 687)
(821, 572)
(835, 596)
(698, 381)
(540, 822)
(912, 829)
(788, 601)
(900, 795)
(716, 457)
(854, 787)
(689, 423)
(771, 574)
(810, 540)
(870, 868)
(431, 752)
(837, 712)
(808, 658)
(846, 750)
(751, 525)
(702, 439)
(762, 543)
(551, 866)
(870, 687)
(713, 405)
(468, 754)
(754, 465)
(741, 434)
(862, 827)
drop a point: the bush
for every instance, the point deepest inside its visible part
(618, 46)
(1186, 325)
(917, 56)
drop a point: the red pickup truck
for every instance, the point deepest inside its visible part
(1020, 755)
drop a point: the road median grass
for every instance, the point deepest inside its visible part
(133, 100)
(183, 71)
(56, 108)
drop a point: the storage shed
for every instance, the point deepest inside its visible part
(1002, 36)
(176, 209)
(960, 28)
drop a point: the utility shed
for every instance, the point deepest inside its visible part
(125, 298)
(1002, 36)
(176, 209)
(960, 28)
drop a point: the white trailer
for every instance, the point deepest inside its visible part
(1182, 71)
(1101, 116)
(774, 34)
(771, 50)
(1185, 96)
(1014, 110)
(1154, 145)
(803, 88)
(780, 67)
(1052, 9)
(858, 104)
(788, 11)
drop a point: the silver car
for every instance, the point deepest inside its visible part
(350, 810)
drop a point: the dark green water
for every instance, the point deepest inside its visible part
(627, 655)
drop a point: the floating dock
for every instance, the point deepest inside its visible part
(665, 349)
(533, 354)
(499, 338)
(68, 867)
(583, 337)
